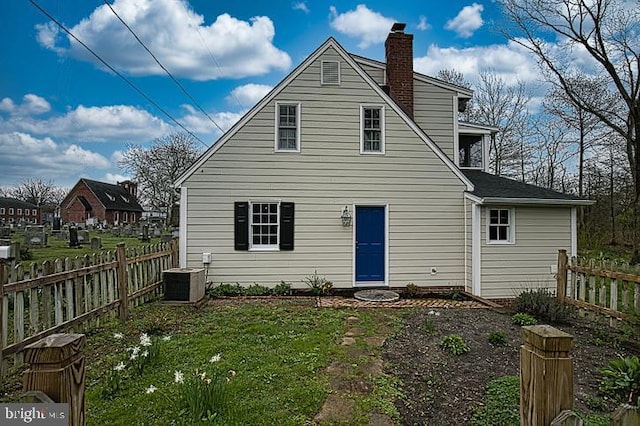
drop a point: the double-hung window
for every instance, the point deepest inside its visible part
(288, 127)
(501, 226)
(265, 225)
(372, 130)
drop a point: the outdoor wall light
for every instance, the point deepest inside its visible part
(346, 217)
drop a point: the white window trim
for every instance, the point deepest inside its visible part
(322, 82)
(382, 130)
(263, 247)
(512, 226)
(277, 126)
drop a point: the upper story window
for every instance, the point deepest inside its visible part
(19, 213)
(501, 228)
(330, 72)
(471, 151)
(34, 212)
(1, 210)
(11, 210)
(372, 130)
(288, 127)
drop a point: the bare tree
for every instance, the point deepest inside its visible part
(453, 76)
(608, 32)
(155, 169)
(505, 107)
(38, 191)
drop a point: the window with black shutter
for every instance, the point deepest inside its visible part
(241, 220)
(264, 226)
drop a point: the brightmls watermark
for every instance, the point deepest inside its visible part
(41, 414)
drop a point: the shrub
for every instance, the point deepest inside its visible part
(319, 286)
(26, 254)
(543, 305)
(226, 290)
(454, 344)
(429, 326)
(282, 289)
(621, 379)
(497, 338)
(257, 290)
(523, 319)
(411, 290)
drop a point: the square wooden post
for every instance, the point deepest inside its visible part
(123, 284)
(546, 374)
(57, 369)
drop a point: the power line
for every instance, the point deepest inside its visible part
(163, 67)
(144, 95)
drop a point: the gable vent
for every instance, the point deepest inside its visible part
(330, 72)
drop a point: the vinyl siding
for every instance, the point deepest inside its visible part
(424, 198)
(376, 73)
(433, 111)
(510, 268)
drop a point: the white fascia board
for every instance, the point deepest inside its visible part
(478, 127)
(536, 201)
(473, 198)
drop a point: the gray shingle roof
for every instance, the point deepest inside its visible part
(487, 185)
(15, 203)
(113, 197)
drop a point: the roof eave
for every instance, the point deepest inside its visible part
(535, 201)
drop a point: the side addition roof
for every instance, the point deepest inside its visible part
(15, 203)
(492, 189)
(330, 43)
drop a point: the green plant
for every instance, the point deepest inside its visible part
(257, 290)
(543, 305)
(501, 403)
(26, 254)
(319, 286)
(497, 338)
(282, 289)
(411, 290)
(454, 344)
(429, 326)
(523, 319)
(596, 404)
(225, 289)
(621, 379)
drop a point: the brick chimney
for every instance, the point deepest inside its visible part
(399, 58)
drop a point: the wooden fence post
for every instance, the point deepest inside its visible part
(57, 369)
(625, 415)
(175, 261)
(561, 280)
(546, 374)
(123, 285)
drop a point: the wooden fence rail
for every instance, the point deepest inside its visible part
(603, 288)
(69, 293)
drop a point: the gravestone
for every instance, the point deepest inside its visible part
(35, 236)
(57, 224)
(5, 232)
(73, 237)
(144, 235)
(157, 232)
(5, 241)
(83, 236)
(96, 243)
(166, 238)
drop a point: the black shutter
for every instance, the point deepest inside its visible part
(286, 225)
(241, 225)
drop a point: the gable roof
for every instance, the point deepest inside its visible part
(329, 43)
(112, 197)
(492, 189)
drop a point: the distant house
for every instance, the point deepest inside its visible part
(90, 201)
(361, 171)
(14, 211)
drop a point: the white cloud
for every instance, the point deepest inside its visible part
(96, 124)
(363, 23)
(114, 178)
(200, 124)
(23, 155)
(31, 105)
(248, 94)
(511, 62)
(467, 21)
(179, 38)
(300, 5)
(7, 105)
(423, 25)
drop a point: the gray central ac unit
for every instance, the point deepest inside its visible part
(183, 284)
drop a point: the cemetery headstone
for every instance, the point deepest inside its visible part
(73, 237)
(35, 236)
(83, 236)
(157, 232)
(57, 223)
(165, 238)
(5, 232)
(144, 235)
(96, 243)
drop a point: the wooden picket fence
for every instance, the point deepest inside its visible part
(604, 289)
(67, 294)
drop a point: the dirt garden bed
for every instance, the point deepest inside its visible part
(442, 389)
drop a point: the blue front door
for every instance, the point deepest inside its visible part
(370, 244)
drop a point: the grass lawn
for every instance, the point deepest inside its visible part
(274, 355)
(59, 249)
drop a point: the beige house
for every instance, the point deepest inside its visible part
(360, 170)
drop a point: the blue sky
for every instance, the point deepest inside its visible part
(64, 116)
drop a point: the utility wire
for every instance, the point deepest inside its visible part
(144, 95)
(163, 67)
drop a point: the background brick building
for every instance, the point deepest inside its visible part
(14, 211)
